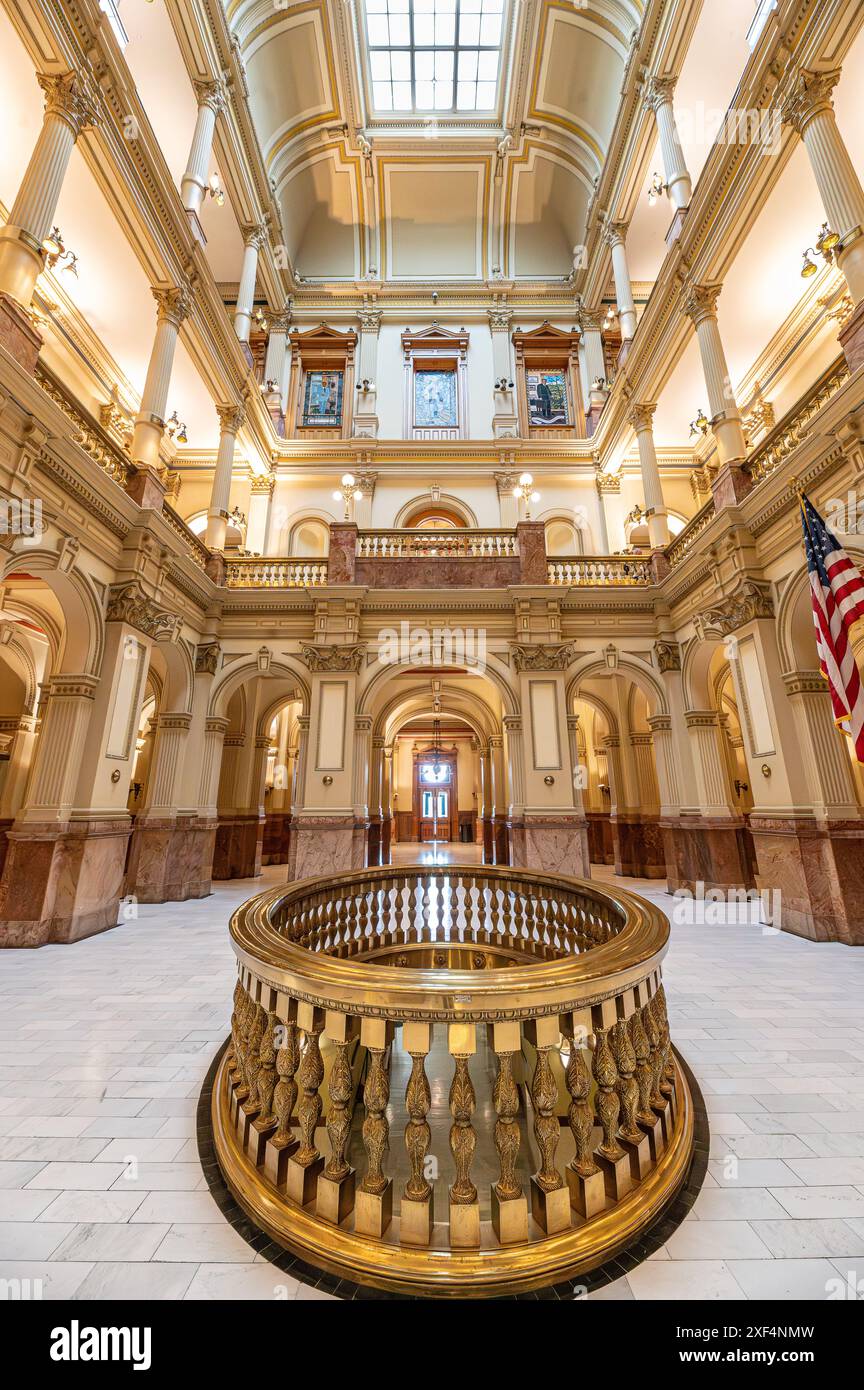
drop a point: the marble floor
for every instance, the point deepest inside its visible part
(104, 1046)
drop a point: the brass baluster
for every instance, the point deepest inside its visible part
(550, 1200)
(464, 1206)
(584, 1178)
(304, 1166)
(631, 1137)
(267, 1073)
(611, 1158)
(416, 1216)
(659, 1057)
(253, 1060)
(335, 1196)
(374, 1206)
(282, 1144)
(509, 1205)
(641, 1029)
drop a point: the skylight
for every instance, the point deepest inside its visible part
(434, 55)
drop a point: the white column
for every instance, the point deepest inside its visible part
(614, 234)
(253, 240)
(211, 101)
(298, 793)
(174, 306)
(668, 777)
(515, 762)
(591, 351)
(700, 305)
(260, 511)
(277, 347)
(602, 525)
(822, 747)
(230, 420)
(658, 98)
(658, 522)
(811, 113)
(365, 416)
(68, 110)
(504, 419)
(211, 766)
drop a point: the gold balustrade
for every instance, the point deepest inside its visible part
(784, 439)
(409, 544)
(196, 548)
(451, 1081)
(689, 534)
(595, 571)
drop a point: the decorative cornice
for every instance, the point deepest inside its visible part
(333, 657)
(129, 603)
(541, 657)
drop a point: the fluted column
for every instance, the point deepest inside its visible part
(193, 186)
(700, 305)
(69, 109)
(253, 240)
(822, 748)
(60, 748)
(505, 423)
(172, 731)
(173, 306)
(299, 789)
(362, 765)
(215, 730)
(658, 98)
(260, 514)
(614, 234)
(592, 367)
(658, 521)
(704, 729)
(230, 421)
(513, 729)
(277, 345)
(365, 417)
(811, 112)
(667, 771)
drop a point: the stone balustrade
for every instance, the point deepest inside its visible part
(408, 544)
(259, 572)
(583, 571)
(434, 995)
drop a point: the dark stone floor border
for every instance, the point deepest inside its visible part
(650, 1241)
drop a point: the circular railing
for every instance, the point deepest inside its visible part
(534, 1002)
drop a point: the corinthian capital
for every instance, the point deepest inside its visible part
(613, 233)
(174, 304)
(499, 319)
(255, 235)
(231, 418)
(66, 96)
(659, 91)
(812, 94)
(211, 93)
(641, 416)
(700, 301)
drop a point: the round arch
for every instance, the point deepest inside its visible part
(83, 638)
(377, 674)
(246, 668)
(446, 502)
(591, 667)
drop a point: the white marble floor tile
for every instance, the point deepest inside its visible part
(209, 1243)
(686, 1281)
(789, 1240)
(716, 1240)
(235, 1281)
(141, 1282)
(795, 1280)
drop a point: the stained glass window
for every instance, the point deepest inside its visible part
(322, 400)
(547, 398)
(434, 55)
(435, 399)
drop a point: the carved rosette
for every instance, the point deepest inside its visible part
(608, 1104)
(580, 1116)
(463, 1140)
(310, 1076)
(285, 1095)
(505, 1098)
(376, 1128)
(418, 1135)
(547, 1131)
(339, 1115)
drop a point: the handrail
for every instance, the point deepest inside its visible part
(678, 548)
(277, 938)
(89, 433)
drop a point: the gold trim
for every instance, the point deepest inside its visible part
(452, 1273)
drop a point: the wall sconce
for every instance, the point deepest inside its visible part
(826, 241)
(656, 189)
(700, 424)
(176, 429)
(522, 492)
(365, 385)
(56, 253)
(237, 519)
(348, 492)
(599, 383)
(611, 316)
(502, 384)
(261, 321)
(216, 191)
(269, 387)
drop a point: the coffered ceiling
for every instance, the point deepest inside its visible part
(423, 193)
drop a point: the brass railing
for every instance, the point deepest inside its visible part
(368, 996)
(260, 573)
(198, 551)
(398, 545)
(688, 536)
(598, 570)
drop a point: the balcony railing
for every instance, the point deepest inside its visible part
(198, 551)
(400, 545)
(537, 999)
(687, 537)
(788, 434)
(598, 571)
(89, 434)
(258, 573)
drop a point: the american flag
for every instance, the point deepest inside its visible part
(837, 595)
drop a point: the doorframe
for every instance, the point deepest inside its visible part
(450, 757)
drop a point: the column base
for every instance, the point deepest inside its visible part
(851, 339)
(62, 882)
(171, 860)
(373, 842)
(510, 1218)
(277, 838)
(238, 847)
(322, 846)
(601, 842)
(715, 854)
(552, 844)
(18, 335)
(814, 874)
(730, 486)
(638, 847)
